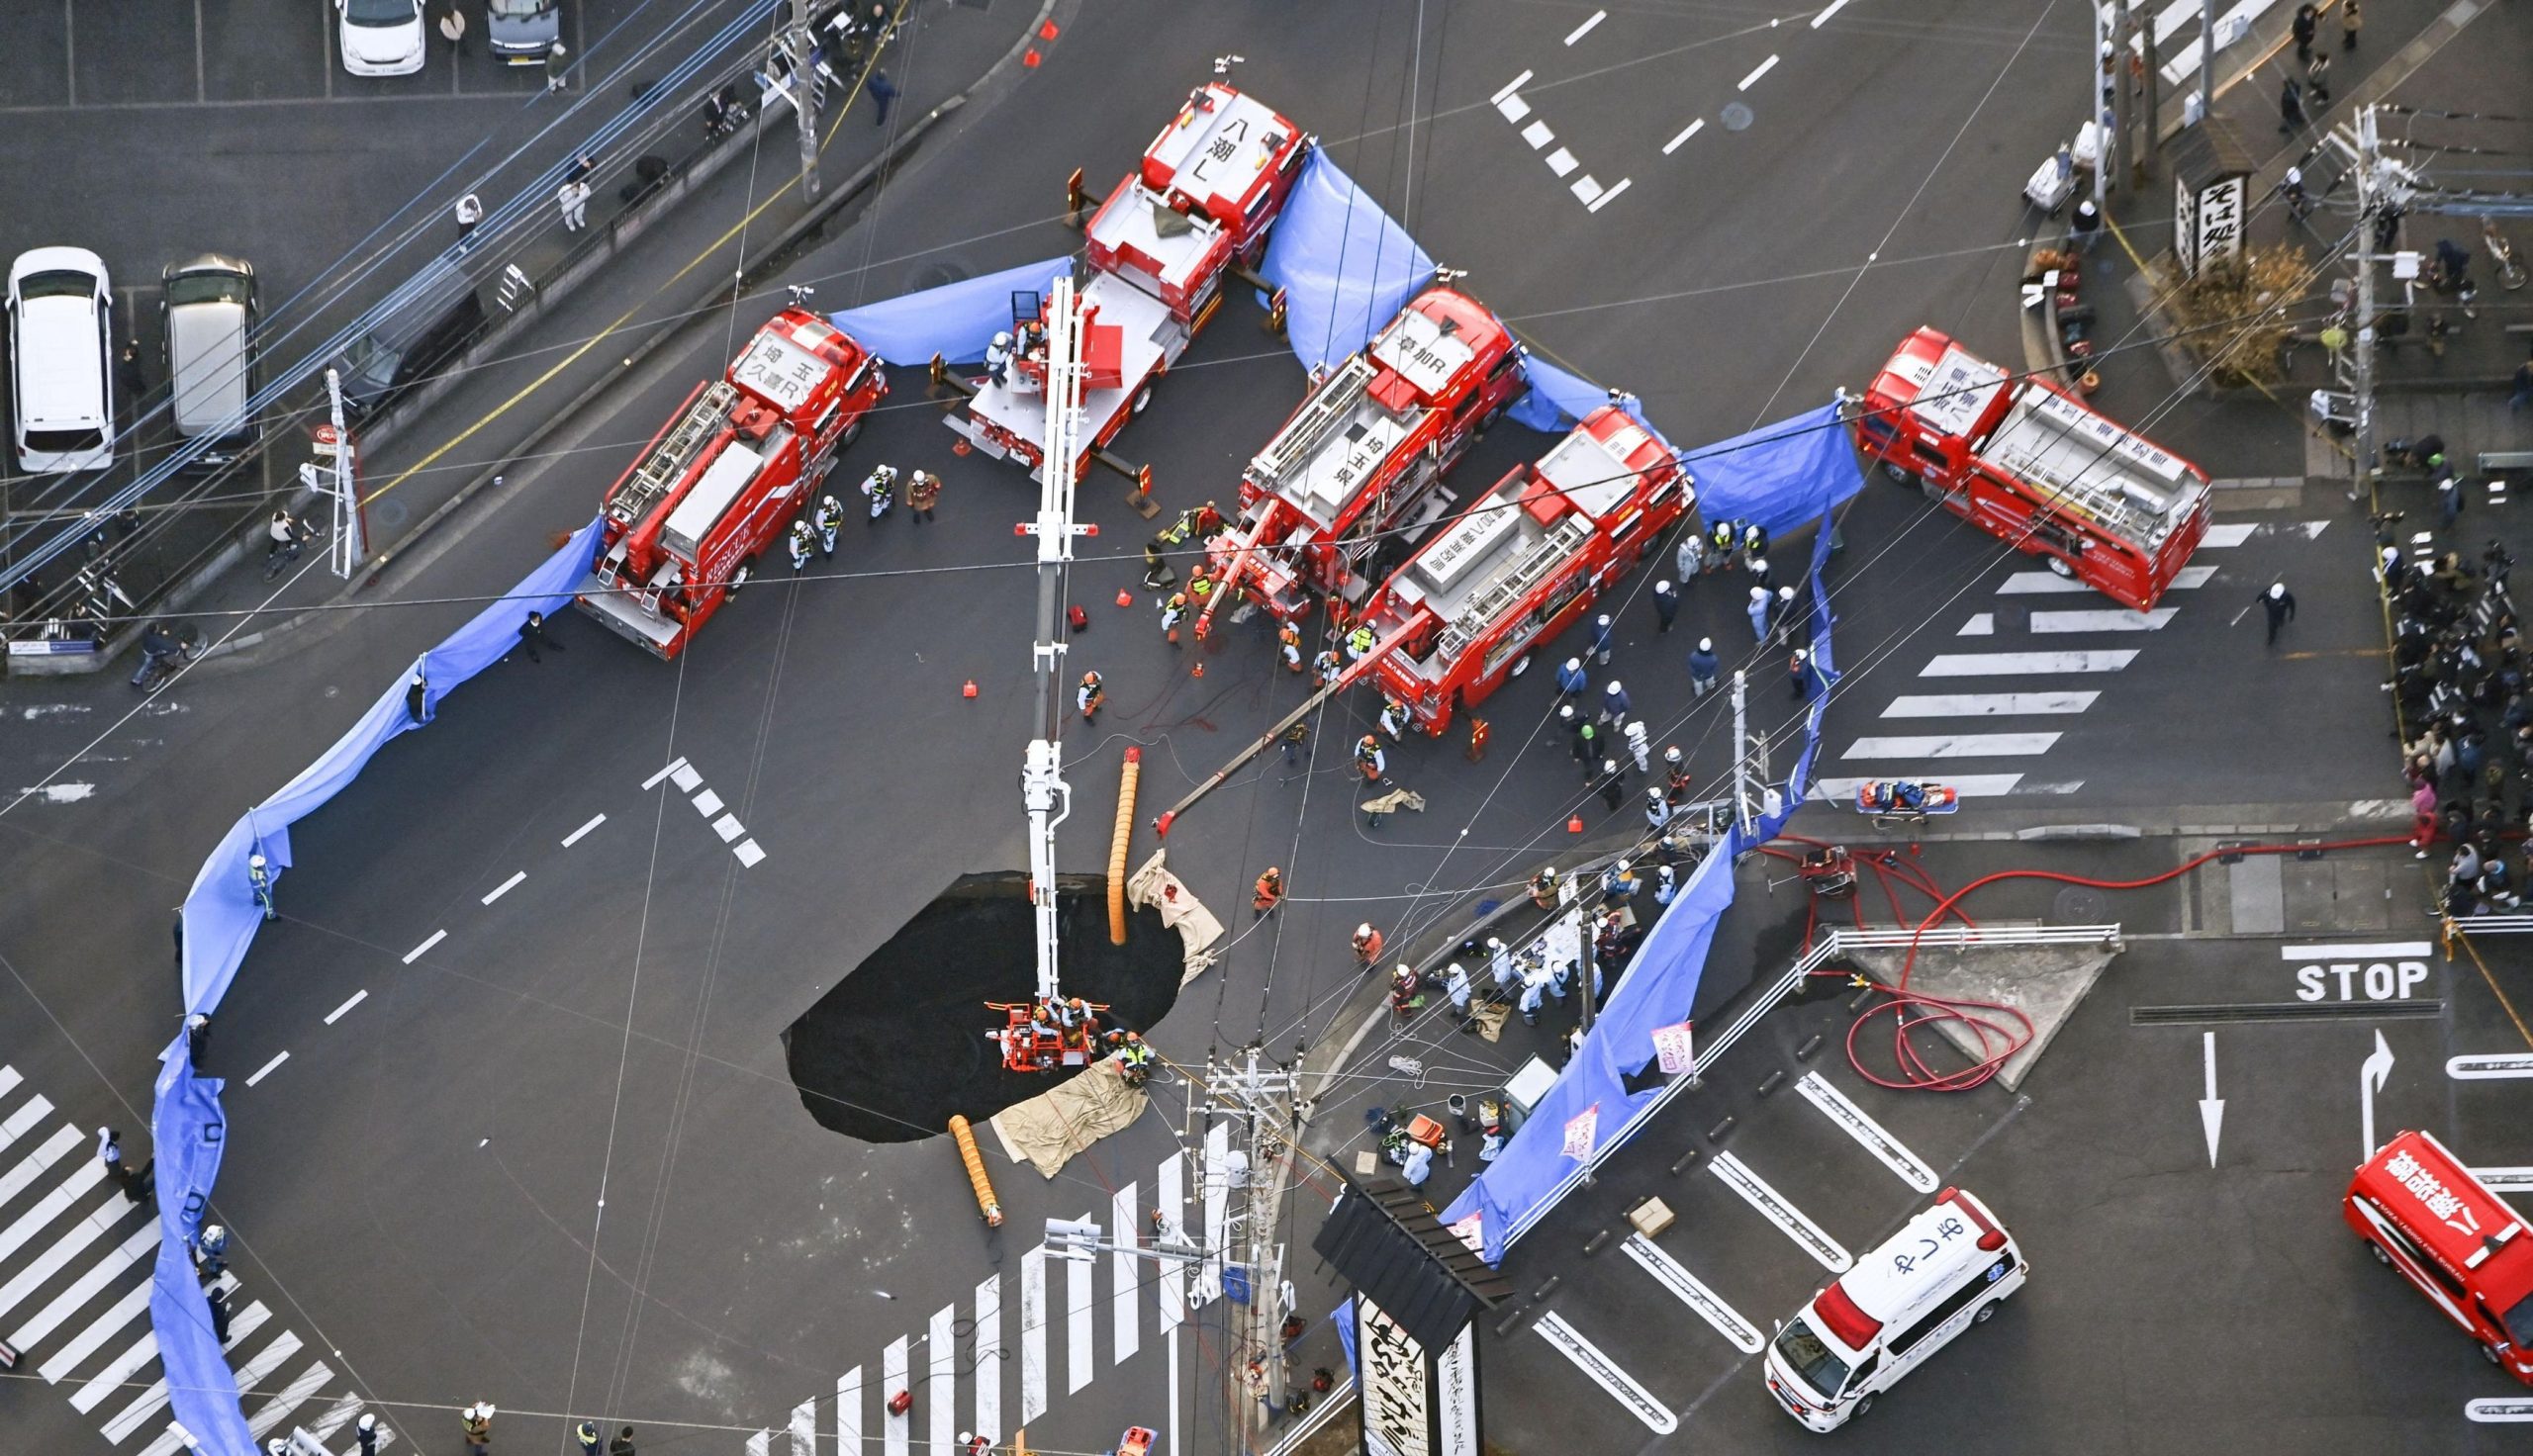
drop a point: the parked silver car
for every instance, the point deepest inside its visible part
(521, 31)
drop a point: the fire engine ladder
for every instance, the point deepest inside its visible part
(1043, 791)
(1301, 439)
(1483, 608)
(660, 471)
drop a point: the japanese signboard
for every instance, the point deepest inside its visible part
(1581, 1130)
(1671, 1047)
(1399, 1413)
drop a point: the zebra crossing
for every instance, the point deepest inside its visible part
(1952, 713)
(75, 1263)
(954, 1374)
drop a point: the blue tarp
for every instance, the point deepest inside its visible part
(1344, 267)
(955, 321)
(1775, 476)
(1660, 985)
(187, 1127)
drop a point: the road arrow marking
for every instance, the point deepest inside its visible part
(2372, 1075)
(2211, 1108)
(2482, 1068)
(2499, 1413)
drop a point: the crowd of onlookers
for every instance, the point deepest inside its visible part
(2459, 681)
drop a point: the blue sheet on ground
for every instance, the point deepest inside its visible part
(955, 321)
(1662, 984)
(187, 1127)
(1776, 475)
(1344, 267)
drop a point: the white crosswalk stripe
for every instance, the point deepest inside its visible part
(1968, 785)
(2048, 622)
(2027, 664)
(76, 1263)
(1953, 746)
(2024, 584)
(1989, 704)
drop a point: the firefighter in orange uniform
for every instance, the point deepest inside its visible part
(1270, 892)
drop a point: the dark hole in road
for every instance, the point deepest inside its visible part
(900, 1045)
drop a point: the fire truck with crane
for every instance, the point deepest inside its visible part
(1324, 506)
(722, 479)
(2030, 464)
(1196, 212)
(1522, 563)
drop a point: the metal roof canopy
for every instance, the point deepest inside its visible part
(1386, 1242)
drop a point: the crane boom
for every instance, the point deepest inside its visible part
(1043, 791)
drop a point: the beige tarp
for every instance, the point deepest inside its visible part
(1050, 1128)
(1155, 886)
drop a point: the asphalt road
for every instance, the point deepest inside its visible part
(417, 1184)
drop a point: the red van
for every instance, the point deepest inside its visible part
(2424, 1213)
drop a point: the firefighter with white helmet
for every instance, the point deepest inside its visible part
(259, 878)
(1640, 746)
(1675, 775)
(829, 517)
(880, 486)
(1657, 810)
(799, 542)
(999, 356)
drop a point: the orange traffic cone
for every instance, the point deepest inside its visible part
(970, 691)
(1574, 825)
(1125, 597)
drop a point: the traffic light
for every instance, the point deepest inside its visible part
(1078, 1239)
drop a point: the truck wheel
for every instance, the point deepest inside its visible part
(1985, 1310)
(2377, 1250)
(1862, 1407)
(2489, 1352)
(851, 433)
(1898, 471)
(2059, 564)
(1489, 420)
(1521, 664)
(740, 577)
(1143, 396)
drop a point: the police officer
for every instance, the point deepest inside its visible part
(259, 878)
(1570, 679)
(830, 516)
(1666, 604)
(586, 1434)
(801, 540)
(1613, 704)
(1602, 633)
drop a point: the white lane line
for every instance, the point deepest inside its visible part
(2498, 1411)
(2511, 1180)
(1125, 1274)
(1585, 29)
(1514, 108)
(1605, 1373)
(1987, 704)
(1170, 1353)
(893, 1379)
(1691, 129)
(1981, 624)
(144, 1405)
(1827, 11)
(2027, 664)
(415, 953)
(1752, 79)
(707, 803)
(302, 1388)
(1561, 161)
(2102, 621)
(1537, 134)
(1953, 746)
(1605, 197)
(941, 1387)
(1033, 1334)
(1170, 1197)
(848, 1413)
(1511, 86)
(336, 1416)
(2367, 950)
(99, 1330)
(336, 1014)
(1674, 1276)
(266, 1069)
(1773, 1206)
(505, 887)
(988, 1362)
(728, 827)
(748, 853)
(1586, 189)
(805, 1428)
(1968, 785)
(41, 1156)
(574, 837)
(89, 1286)
(667, 769)
(1870, 1135)
(2227, 534)
(1079, 1361)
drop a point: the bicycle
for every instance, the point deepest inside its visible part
(278, 554)
(2510, 269)
(156, 667)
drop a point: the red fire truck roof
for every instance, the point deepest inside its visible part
(790, 356)
(1221, 149)
(2462, 1225)
(1338, 440)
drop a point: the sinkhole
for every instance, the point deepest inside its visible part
(899, 1044)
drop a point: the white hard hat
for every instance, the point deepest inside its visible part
(1706, 643)
(1671, 754)
(1565, 711)
(1662, 586)
(1799, 653)
(1602, 620)
(1573, 664)
(1758, 593)
(369, 1422)
(966, 1436)
(1002, 340)
(255, 862)
(2294, 176)
(1613, 687)
(1365, 929)
(1495, 943)
(214, 1234)
(1785, 593)
(1621, 867)
(1635, 729)
(2276, 590)
(1653, 795)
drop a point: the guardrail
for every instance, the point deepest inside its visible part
(2490, 925)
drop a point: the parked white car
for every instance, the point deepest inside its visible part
(62, 361)
(381, 38)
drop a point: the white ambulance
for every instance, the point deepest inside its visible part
(1948, 1270)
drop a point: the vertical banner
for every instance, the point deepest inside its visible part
(1397, 1393)
(1455, 1395)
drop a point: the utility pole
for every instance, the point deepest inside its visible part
(2099, 108)
(2361, 369)
(2147, 131)
(805, 86)
(1741, 758)
(1262, 1095)
(2206, 60)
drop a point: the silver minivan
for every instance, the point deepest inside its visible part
(207, 307)
(520, 32)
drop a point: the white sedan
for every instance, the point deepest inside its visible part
(381, 38)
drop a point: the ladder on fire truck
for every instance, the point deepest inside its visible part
(665, 466)
(1333, 404)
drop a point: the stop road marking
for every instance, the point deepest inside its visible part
(2359, 972)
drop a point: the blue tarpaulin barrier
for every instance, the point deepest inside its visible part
(1777, 476)
(955, 321)
(186, 1124)
(1344, 267)
(1660, 985)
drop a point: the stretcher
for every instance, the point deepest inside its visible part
(1905, 801)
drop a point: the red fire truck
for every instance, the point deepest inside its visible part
(723, 478)
(1522, 563)
(1322, 506)
(2433, 1220)
(1211, 185)
(2028, 463)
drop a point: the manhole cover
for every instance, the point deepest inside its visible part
(389, 514)
(2078, 905)
(1736, 116)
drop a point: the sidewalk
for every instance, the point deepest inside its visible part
(531, 381)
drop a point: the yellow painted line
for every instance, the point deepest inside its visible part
(574, 357)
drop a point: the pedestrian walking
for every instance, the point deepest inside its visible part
(621, 1445)
(1613, 704)
(2350, 22)
(476, 1422)
(2317, 78)
(1690, 558)
(452, 28)
(129, 374)
(1759, 613)
(1602, 632)
(2307, 19)
(217, 1299)
(1268, 892)
(2523, 386)
(2449, 496)
(882, 94)
(1799, 673)
(2280, 605)
(1570, 677)
(1613, 786)
(1704, 665)
(585, 1436)
(531, 636)
(1088, 696)
(110, 1151)
(2291, 106)
(2085, 227)
(1293, 739)
(827, 520)
(923, 492)
(469, 213)
(365, 1431)
(573, 198)
(1367, 946)
(2423, 816)
(259, 880)
(1667, 606)
(557, 67)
